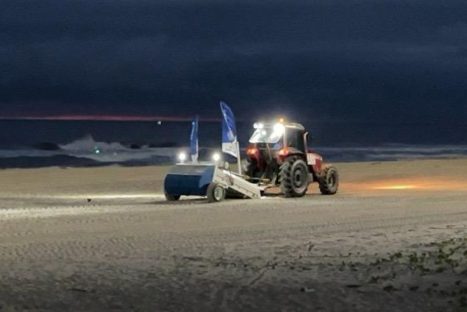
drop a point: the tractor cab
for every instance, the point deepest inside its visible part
(277, 141)
(277, 154)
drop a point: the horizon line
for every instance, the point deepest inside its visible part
(122, 118)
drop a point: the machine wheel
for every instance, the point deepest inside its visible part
(329, 181)
(171, 197)
(294, 177)
(215, 193)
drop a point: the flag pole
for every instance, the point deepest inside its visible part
(230, 143)
(194, 148)
(239, 161)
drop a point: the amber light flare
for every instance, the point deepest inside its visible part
(252, 151)
(284, 151)
(418, 183)
(396, 187)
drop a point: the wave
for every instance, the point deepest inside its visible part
(47, 146)
(392, 152)
(87, 144)
(46, 161)
(86, 151)
(116, 152)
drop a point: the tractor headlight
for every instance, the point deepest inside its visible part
(278, 130)
(258, 125)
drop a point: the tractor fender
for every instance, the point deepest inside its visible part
(289, 151)
(315, 162)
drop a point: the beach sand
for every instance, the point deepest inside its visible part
(93, 239)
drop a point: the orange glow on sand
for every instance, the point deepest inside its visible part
(418, 183)
(407, 184)
(396, 187)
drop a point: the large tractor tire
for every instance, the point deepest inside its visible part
(294, 177)
(215, 193)
(329, 181)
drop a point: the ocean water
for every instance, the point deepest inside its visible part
(77, 143)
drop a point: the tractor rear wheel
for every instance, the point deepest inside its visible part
(294, 177)
(329, 181)
(215, 192)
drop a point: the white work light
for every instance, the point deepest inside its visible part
(278, 130)
(216, 157)
(182, 157)
(258, 125)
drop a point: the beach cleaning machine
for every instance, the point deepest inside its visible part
(209, 180)
(278, 156)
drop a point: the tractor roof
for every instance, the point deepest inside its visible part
(293, 125)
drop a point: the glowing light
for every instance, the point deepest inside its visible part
(182, 157)
(216, 157)
(278, 130)
(100, 196)
(252, 151)
(396, 187)
(414, 184)
(258, 125)
(284, 151)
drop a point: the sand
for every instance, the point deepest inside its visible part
(96, 239)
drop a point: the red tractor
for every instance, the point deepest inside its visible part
(278, 155)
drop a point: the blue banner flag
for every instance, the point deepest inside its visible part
(229, 131)
(194, 139)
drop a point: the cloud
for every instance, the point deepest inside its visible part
(347, 59)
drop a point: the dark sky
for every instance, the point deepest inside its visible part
(404, 61)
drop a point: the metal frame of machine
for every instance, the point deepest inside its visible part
(209, 180)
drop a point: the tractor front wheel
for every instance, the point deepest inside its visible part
(329, 181)
(294, 177)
